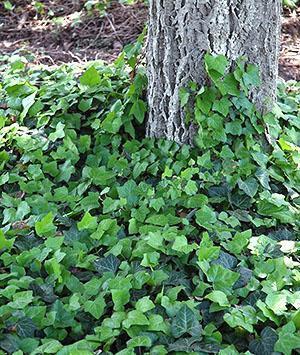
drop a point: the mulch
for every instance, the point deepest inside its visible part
(64, 31)
(289, 64)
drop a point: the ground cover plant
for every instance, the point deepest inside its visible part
(127, 245)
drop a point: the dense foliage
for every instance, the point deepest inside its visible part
(127, 245)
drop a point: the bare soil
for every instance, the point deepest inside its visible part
(289, 66)
(64, 31)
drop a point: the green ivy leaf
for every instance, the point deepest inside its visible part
(96, 307)
(87, 222)
(144, 304)
(244, 317)
(135, 317)
(288, 339)
(45, 227)
(239, 242)
(277, 302)
(215, 64)
(138, 110)
(90, 77)
(5, 243)
(107, 264)
(218, 297)
(139, 341)
(206, 217)
(25, 327)
(59, 132)
(27, 102)
(184, 96)
(249, 186)
(120, 298)
(222, 106)
(185, 322)
(265, 344)
(21, 299)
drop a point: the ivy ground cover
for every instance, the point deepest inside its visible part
(122, 245)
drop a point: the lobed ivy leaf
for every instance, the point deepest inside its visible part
(265, 344)
(45, 226)
(185, 322)
(90, 77)
(107, 264)
(288, 339)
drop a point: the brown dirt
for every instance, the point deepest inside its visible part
(64, 31)
(289, 66)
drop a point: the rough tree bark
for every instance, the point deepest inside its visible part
(182, 31)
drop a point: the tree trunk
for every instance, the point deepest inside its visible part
(182, 31)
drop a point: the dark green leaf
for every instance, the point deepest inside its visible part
(107, 264)
(185, 322)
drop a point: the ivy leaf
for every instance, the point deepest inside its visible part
(45, 226)
(222, 106)
(181, 245)
(275, 206)
(108, 264)
(226, 260)
(263, 177)
(129, 191)
(207, 250)
(277, 302)
(138, 110)
(85, 105)
(5, 243)
(135, 318)
(193, 346)
(265, 344)
(120, 298)
(90, 77)
(223, 279)
(59, 132)
(96, 307)
(215, 63)
(87, 222)
(27, 102)
(21, 299)
(185, 322)
(144, 304)
(22, 211)
(10, 343)
(45, 291)
(185, 345)
(25, 328)
(245, 277)
(244, 317)
(229, 350)
(288, 340)
(249, 186)
(184, 96)
(239, 242)
(251, 77)
(205, 217)
(50, 346)
(63, 317)
(139, 341)
(66, 170)
(218, 297)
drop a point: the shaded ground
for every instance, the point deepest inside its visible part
(289, 67)
(64, 31)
